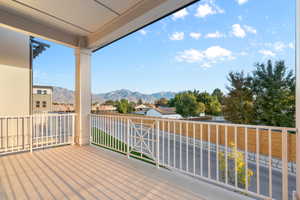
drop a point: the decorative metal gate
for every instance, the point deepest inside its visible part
(143, 139)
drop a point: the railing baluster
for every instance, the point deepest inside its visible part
(157, 142)
(235, 158)
(128, 138)
(246, 159)
(217, 154)
(180, 148)
(270, 162)
(141, 139)
(226, 154)
(174, 146)
(208, 151)
(163, 142)
(257, 162)
(187, 146)
(31, 133)
(285, 174)
(201, 148)
(169, 148)
(194, 152)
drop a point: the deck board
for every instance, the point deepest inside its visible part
(88, 172)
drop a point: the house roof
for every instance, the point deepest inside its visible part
(166, 110)
(89, 24)
(43, 87)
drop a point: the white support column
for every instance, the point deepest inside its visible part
(297, 45)
(82, 95)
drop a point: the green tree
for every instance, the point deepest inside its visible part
(186, 105)
(109, 102)
(274, 90)
(123, 106)
(161, 102)
(140, 102)
(238, 105)
(212, 105)
(219, 94)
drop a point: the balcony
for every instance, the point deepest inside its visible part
(139, 157)
(73, 172)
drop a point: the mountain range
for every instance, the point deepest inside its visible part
(63, 95)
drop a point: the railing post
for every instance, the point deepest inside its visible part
(285, 173)
(73, 129)
(157, 143)
(31, 133)
(128, 135)
(91, 128)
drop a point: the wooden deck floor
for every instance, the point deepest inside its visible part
(73, 172)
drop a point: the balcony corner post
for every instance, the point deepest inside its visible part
(82, 96)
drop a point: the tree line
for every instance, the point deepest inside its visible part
(265, 97)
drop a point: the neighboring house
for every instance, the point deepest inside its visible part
(42, 99)
(105, 108)
(141, 107)
(163, 112)
(62, 107)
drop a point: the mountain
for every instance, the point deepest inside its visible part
(64, 95)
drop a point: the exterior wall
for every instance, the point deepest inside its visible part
(153, 113)
(15, 73)
(172, 116)
(41, 98)
(35, 90)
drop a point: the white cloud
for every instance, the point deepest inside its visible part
(278, 46)
(177, 36)
(216, 34)
(267, 53)
(195, 35)
(238, 31)
(205, 58)
(240, 2)
(143, 32)
(208, 8)
(243, 53)
(180, 14)
(291, 45)
(190, 56)
(250, 29)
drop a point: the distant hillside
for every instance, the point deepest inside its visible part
(63, 95)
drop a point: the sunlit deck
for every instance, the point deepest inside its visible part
(88, 172)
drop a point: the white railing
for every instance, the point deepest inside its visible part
(26, 133)
(216, 152)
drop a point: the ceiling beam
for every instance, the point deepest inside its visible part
(36, 29)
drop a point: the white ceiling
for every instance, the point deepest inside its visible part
(92, 20)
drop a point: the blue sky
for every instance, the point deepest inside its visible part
(193, 49)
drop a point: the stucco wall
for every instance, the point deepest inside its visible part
(14, 73)
(41, 97)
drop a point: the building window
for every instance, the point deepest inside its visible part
(45, 91)
(44, 104)
(37, 104)
(39, 91)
